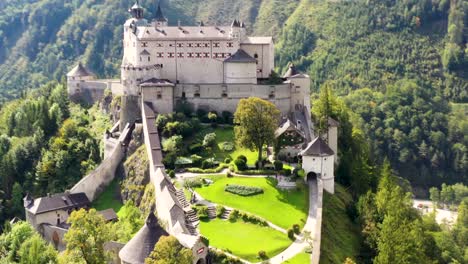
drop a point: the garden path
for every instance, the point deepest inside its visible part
(300, 244)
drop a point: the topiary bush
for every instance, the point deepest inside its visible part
(220, 210)
(287, 172)
(278, 165)
(209, 140)
(297, 229)
(242, 157)
(206, 164)
(227, 160)
(262, 255)
(291, 234)
(243, 190)
(171, 174)
(240, 164)
(227, 146)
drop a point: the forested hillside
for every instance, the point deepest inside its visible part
(398, 64)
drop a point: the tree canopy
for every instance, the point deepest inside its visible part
(256, 121)
(169, 251)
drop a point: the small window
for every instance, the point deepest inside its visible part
(183, 95)
(160, 55)
(180, 45)
(271, 95)
(149, 58)
(140, 58)
(256, 55)
(159, 95)
(216, 44)
(171, 54)
(180, 54)
(144, 44)
(207, 45)
(230, 44)
(190, 45)
(224, 95)
(196, 94)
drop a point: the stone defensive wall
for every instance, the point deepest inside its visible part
(54, 234)
(171, 213)
(93, 91)
(96, 181)
(220, 97)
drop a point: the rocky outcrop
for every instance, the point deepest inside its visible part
(136, 176)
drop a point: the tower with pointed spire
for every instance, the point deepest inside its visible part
(159, 19)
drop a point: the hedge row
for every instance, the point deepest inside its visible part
(220, 167)
(243, 190)
(235, 214)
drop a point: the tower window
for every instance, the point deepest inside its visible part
(149, 58)
(183, 95)
(159, 95)
(224, 95)
(196, 94)
(256, 56)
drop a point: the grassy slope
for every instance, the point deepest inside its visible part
(244, 240)
(282, 208)
(300, 258)
(340, 236)
(109, 199)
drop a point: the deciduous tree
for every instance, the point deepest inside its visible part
(169, 251)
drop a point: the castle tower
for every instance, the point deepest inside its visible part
(300, 88)
(159, 19)
(75, 79)
(238, 30)
(318, 163)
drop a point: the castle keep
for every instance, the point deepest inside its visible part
(211, 67)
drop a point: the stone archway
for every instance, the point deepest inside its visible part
(311, 176)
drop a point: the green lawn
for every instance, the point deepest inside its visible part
(244, 240)
(301, 258)
(226, 134)
(109, 199)
(283, 208)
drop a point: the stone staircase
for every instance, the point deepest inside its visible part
(181, 197)
(211, 212)
(191, 221)
(225, 215)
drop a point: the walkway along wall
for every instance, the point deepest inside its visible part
(169, 210)
(96, 181)
(318, 229)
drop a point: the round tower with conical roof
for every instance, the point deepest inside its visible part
(76, 79)
(300, 88)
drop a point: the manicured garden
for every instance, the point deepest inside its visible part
(283, 208)
(244, 240)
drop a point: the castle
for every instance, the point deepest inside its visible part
(210, 68)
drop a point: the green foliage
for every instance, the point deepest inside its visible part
(193, 183)
(220, 210)
(37, 251)
(278, 165)
(256, 121)
(291, 234)
(86, 237)
(209, 140)
(297, 229)
(243, 190)
(128, 224)
(240, 164)
(262, 254)
(169, 251)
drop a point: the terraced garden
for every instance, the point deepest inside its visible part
(282, 208)
(244, 240)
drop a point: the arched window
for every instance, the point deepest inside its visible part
(256, 56)
(183, 95)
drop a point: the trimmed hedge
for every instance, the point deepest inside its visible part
(193, 183)
(220, 167)
(248, 218)
(256, 172)
(243, 190)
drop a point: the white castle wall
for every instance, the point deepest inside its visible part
(264, 53)
(321, 164)
(95, 182)
(318, 225)
(240, 73)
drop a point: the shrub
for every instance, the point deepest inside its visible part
(220, 210)
(227, 146)
(205, 240)
(229, 174)
(212, 170)
(171, 174)
(296, 229)
(206, 164)
(202, 211)
(262, 254)
(258, 172)
(196, 160)
(243, 190)
(287, 172)
(172, 144)
(278, 165)
(161, 122)
(195, 148)
(227, 116)
(209, 140)
(193, 183)
(242, 157)
(291, 234)
(240, 164)
(201, 113)
(227, 160)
